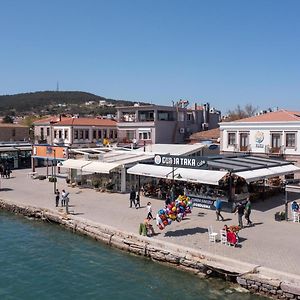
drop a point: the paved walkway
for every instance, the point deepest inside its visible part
(269, 243)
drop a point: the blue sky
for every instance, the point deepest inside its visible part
(223, 52)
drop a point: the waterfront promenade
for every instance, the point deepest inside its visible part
(269, 243)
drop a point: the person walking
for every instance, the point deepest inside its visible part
(63, 198)
(57, 197)
(240, 211)
(149, 210)
(132, 197)
(138, 203)
(248, 212)
(218, 206)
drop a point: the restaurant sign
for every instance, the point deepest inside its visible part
(179, 161)
(202, 202)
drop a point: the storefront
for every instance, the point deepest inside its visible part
(107, 167)
(227, 178)
(16, 156)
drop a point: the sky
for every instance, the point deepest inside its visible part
(224, 52)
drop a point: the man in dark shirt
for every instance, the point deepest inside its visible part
(240, 211)
(132, 197)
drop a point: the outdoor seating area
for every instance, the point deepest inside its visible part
(228, 235)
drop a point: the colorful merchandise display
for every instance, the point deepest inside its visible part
(174, 211)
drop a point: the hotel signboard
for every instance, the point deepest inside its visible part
(179, 161)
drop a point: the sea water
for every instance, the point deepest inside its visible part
(39, 260)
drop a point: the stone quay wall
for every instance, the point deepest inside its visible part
(256, 279)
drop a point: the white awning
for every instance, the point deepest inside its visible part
(199, 176)
(99, 167)
(74, 163)
(150, 170)
(182, 174)
(254, 175)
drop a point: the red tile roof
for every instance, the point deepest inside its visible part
(87, 122)
(11, 125)
(48, 120)
(212, 134)
(275, 116)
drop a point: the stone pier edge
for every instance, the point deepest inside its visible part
(256, 279)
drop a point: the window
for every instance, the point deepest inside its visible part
(42, 133)
(189, 117)
(59, 134)
(94, 134)
(99, 134)
(48, 131)
(244, 141)
(66, 134)
(290, 140)
(231, 139)
(111, 134)
(115, 131)
(55, 133)
(275, 140)
(87, 134)
(104, 133)
(130, 135)
(76, 134)
(145, 135)
(14, 132)
(81, 134)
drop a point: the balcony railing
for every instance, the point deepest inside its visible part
(274, 150)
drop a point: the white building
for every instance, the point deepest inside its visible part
(275, 134)
(75, 132)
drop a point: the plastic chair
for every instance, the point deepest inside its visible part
(223, 235)
(212, 236)
(295, 216)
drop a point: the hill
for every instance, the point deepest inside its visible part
(51, 102)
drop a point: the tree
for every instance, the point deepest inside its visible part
(7, 119)
(240, 113)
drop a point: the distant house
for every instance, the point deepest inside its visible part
(211, 135)
(75, 132)
(13, 132)
(157, 124)
(272, 134)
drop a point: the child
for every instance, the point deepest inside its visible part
(137, 201)
(149, 210)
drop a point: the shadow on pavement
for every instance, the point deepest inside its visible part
(273, 202)
(201, 214)
(5, 190)
(187, 231)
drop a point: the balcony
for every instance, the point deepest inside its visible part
(245, 148)
(274, 151)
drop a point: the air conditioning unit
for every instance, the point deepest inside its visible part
(181, 130)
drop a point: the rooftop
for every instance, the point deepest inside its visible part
(281, 115)
(86, 122)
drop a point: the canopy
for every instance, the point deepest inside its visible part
(99, 167)
(183, 174)
(254, 175)
(74, 163)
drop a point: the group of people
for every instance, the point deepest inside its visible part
(64, 198)
(134, 199)
(242, 210)
(5, 171)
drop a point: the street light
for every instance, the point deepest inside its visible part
(54, 173)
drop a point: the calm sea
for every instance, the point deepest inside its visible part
(44, 261)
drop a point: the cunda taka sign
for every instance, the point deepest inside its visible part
(179, 161)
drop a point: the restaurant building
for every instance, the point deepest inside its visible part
(107, 167)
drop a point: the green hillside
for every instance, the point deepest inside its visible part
(56, 102)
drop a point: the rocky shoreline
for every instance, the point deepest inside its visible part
(256, 279)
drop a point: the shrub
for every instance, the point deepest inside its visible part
(42, 177)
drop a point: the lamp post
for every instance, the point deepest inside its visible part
(54, 173)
